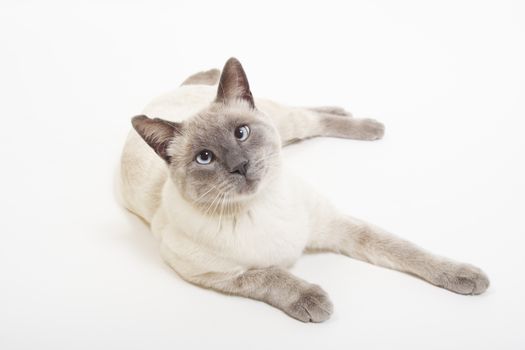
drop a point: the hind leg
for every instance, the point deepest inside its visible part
(334, 125)
(295, 124)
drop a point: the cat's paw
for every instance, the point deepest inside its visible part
(313, 305)
(371, 129)
(464, 279)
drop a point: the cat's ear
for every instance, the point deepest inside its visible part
(233, 84)
(157, 133)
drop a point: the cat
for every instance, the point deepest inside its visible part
(203, 167)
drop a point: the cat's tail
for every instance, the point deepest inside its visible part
(207, 77)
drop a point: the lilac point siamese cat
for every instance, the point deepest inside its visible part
(203, 167)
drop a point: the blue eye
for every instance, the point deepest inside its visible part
(204, 157)
(242, 132)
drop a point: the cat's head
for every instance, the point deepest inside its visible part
(226, 153)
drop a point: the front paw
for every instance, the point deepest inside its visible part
(313, 305)
(463, 279)
(371, 129)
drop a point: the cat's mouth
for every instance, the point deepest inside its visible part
(246, 185)
(249, 184)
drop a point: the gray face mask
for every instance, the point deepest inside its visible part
(229, 150)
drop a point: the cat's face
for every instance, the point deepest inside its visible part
(223, 155)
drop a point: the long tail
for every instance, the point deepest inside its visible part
(208, 77)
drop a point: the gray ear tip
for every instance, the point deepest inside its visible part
(233, 61)
(136, 120)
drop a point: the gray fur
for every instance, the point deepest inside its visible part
(275, 286)
(157, 133)
(213, 130)
(356, 239)
(298, 124)
(350, 128)
(233, 84)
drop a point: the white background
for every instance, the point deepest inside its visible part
(446, 77)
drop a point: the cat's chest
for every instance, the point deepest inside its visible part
(273, 237)
(265, 235)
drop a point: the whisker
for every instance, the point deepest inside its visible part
(205, 193)
(209, 207)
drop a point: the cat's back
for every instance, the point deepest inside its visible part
(142, 172)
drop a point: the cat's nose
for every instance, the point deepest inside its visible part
(240, 168)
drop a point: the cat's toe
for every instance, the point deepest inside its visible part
(313, 305)
(465, 279)
(372, 129)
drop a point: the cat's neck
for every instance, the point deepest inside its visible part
(220, 209)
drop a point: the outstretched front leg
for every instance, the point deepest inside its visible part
(295, 124)
(275, 286)
(343, 234)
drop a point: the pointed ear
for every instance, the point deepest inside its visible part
(157, 133)
(233, 84)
